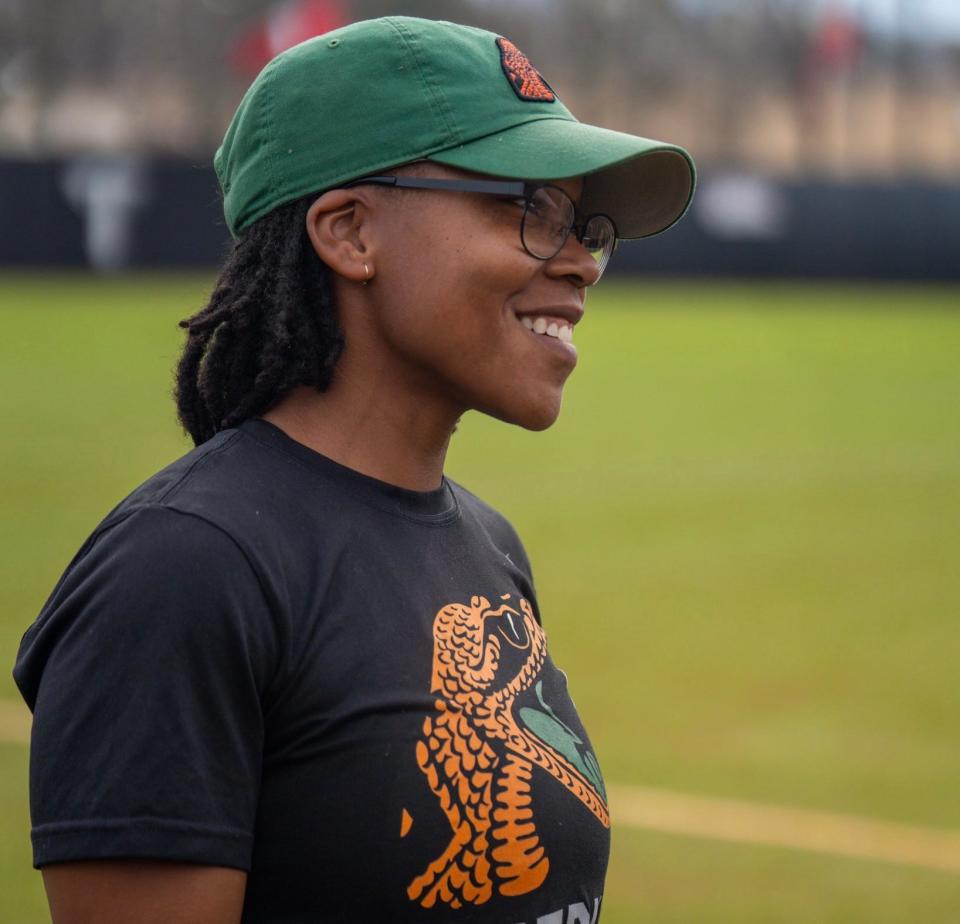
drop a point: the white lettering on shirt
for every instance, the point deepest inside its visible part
(575, 914)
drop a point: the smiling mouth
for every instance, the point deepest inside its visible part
(554, 328)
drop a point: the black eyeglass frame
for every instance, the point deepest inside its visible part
(519, 189)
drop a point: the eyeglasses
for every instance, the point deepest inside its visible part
(549, 215)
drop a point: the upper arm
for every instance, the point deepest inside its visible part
(143, 892)
(146, 674)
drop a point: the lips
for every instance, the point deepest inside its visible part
(555, 322)
(569, 314)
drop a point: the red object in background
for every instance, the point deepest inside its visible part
(285, 25)
(836, 43)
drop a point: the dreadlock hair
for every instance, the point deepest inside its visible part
(270, 325)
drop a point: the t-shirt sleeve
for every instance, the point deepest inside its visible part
(146, 672)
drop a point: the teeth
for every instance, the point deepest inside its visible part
(561, 332)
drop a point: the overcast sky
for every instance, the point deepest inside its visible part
(927, 19)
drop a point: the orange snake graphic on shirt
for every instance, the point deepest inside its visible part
(479, 760)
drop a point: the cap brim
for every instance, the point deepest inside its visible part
(645, 186)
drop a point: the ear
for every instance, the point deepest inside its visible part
(335, 226)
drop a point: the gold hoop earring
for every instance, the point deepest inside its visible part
(366, 269)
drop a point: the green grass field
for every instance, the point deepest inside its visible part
(745, 531)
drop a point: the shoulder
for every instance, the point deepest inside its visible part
(236, 483)
(493, 522)
(159, 538)
(478, 509)
(223, 476)
(150, 583)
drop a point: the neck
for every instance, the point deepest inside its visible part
(391, 441)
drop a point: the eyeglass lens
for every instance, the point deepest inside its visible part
(548, 220)
(600, 239)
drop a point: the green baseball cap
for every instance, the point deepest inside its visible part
(384, 92)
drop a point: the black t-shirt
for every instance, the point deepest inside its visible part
(262, 659)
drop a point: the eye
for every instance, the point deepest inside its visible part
(539, 208)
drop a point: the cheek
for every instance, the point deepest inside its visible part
(446, 314)
(453, 288)
(421, 268)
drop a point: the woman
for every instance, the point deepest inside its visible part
(299, 675)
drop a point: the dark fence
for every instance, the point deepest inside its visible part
(128, 212)
(110, 214)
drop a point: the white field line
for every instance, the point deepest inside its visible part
(725, 819)
(777, 826)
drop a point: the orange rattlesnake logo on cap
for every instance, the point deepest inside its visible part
(526, 80)
(479, 756)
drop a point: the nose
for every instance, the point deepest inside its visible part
(574, 262)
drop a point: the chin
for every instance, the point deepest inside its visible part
(535, 416)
